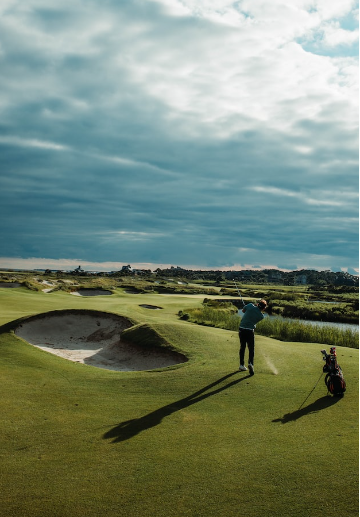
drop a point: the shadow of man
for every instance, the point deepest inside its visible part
(130, 428)
(318, 405)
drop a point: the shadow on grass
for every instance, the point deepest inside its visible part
(130, 428)
(318, 405)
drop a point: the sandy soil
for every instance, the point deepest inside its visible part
(92, 338)
(91, 292)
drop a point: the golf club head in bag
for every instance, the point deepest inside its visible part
(334, 378)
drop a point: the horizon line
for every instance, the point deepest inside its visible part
(33, 263)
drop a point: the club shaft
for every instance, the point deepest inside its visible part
(239, 293)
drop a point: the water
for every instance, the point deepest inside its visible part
(342, 326)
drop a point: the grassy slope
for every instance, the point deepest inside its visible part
(197, 440)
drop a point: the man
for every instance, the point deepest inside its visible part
(252, 315)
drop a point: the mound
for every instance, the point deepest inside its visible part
(93, 338)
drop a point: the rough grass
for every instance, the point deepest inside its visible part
(305, 332)
(198, 440)
(284, 330)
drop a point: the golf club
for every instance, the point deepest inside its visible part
(239, 293)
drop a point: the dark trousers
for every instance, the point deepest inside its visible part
(247, 337)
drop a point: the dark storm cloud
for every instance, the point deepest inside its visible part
(135, 132)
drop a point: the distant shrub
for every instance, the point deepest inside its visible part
(339, 312)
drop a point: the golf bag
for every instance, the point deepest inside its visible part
(334, 378)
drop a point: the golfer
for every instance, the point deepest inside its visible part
(252, 315)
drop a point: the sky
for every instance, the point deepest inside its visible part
(208, 134)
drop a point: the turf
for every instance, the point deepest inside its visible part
(199, 439)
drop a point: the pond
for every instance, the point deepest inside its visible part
(343, 326)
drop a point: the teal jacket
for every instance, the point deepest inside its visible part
(252, 316)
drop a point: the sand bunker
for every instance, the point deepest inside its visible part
(91, 292)
(93, 338)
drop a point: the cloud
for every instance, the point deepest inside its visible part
(23, 142)
(324, 198)
(189, 132)
(334, 35)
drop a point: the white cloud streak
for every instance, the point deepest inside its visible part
(323, 197)
(31, 142)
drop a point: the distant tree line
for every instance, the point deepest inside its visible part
(266, 276)
(327, 280)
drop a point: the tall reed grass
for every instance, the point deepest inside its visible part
(212, 317)
(284, 330)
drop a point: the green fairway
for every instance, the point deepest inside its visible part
(197, 439)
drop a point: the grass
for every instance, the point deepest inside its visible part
(282, 329)
(299, 331)
(197, 440)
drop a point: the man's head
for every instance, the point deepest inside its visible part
(262, 305)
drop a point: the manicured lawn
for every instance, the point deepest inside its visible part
(200, 439)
